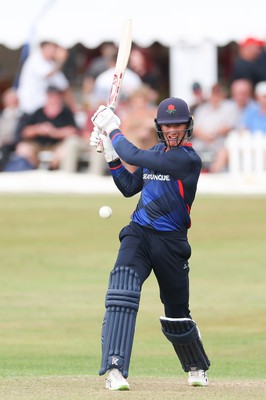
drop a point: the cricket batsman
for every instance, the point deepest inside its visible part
(154, 240)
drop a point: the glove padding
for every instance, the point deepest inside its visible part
(108, 150)
(98, 136)
(105, 119)
(95, 137)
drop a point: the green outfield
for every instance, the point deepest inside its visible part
(55, 258)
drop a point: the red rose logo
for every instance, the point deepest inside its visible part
(171, 109)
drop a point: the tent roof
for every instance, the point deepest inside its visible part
(91, 22)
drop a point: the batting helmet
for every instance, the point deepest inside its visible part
(173, 111)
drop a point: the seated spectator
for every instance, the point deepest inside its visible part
(242, 97)
(213, 121)
(198, 97)
(8, 121)
(51, 128)
(254, 119)
(138, 119)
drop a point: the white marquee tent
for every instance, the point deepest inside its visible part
(192, 29)
(169, 22)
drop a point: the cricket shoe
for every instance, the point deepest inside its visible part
(115, 380)
(197, 377)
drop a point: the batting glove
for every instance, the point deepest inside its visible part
(95, 137)
(108, 150)
(105, 119)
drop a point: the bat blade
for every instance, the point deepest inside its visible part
(120, 68)
(121, 63)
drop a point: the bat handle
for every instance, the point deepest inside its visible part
(100, 147)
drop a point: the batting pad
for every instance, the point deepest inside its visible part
(184, 334)
(122, 304)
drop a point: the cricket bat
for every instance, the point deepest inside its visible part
(120, 68)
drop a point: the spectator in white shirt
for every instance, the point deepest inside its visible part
(42, 68)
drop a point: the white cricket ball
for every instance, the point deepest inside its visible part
(105, 212)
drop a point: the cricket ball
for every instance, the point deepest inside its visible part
(105, 212)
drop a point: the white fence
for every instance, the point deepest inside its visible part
(246, 152)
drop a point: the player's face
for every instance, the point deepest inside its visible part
(174, 134)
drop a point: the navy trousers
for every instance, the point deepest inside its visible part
(164, 253)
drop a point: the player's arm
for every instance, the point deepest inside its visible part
(128, 183)
(174, 163)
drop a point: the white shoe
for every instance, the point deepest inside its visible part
(197, 377)
(115, 380)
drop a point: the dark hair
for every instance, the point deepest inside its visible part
(45, 42)
(53, 89)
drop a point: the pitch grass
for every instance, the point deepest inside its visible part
(56, 254)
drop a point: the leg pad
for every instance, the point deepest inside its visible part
(184, 335)
(122, 303)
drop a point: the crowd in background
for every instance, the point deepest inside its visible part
(43, 124)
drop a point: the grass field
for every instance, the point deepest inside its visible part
(56, 254)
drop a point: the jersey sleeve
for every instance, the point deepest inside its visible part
(127, 183)
(174, 162)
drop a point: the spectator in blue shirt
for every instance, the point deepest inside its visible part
(254, 118)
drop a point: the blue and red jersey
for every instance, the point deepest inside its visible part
(167, 181)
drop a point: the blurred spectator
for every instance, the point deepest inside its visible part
(138, 120)
(198, 97)
(254, 119)
(42, 68)
(103, 82)
(260, 64)
(249, 51)
(8, 121)
(241, 91)
(140, 63)
(97, 66)
(213, 121)
(51, 128)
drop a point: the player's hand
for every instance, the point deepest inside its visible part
(95, 137)
(105, 119)
(108, 150)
